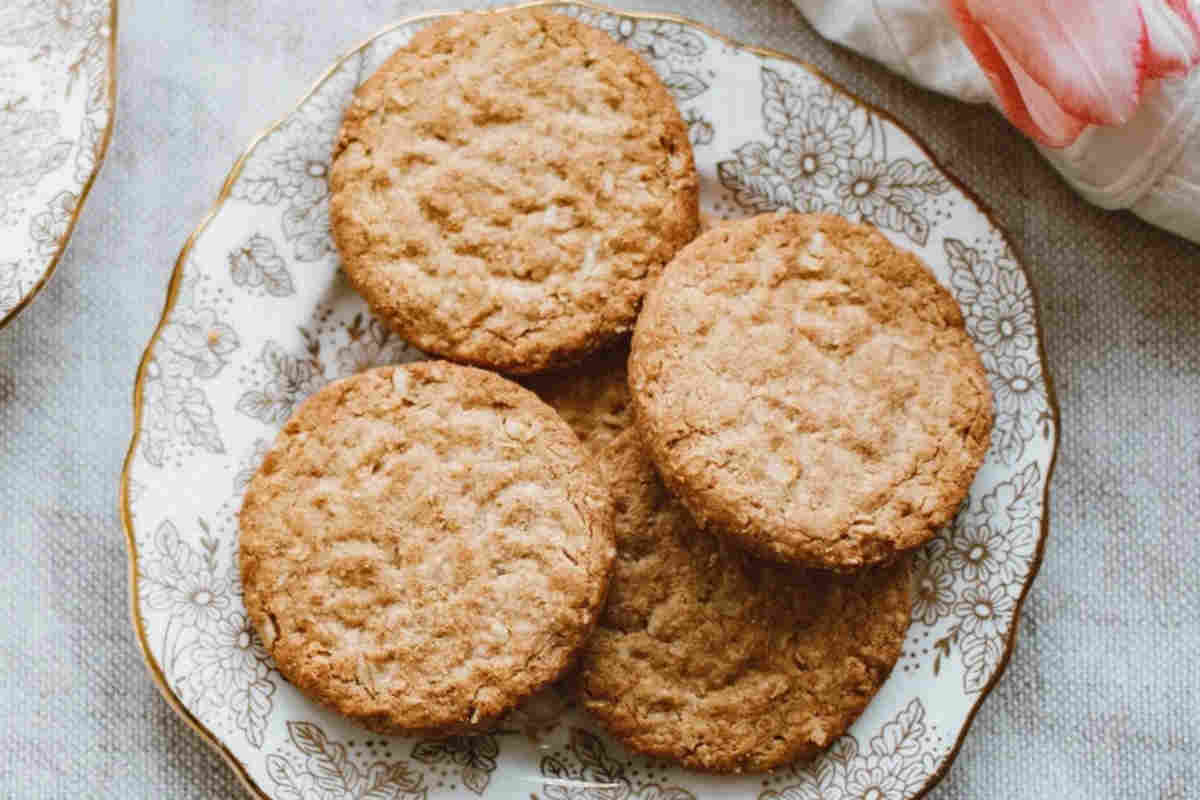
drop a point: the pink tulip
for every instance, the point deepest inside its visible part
(1058, 66)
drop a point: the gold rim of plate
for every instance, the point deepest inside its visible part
(87, 187)
(226, 188)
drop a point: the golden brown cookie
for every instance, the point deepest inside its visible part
(713, 658)
(809, 389)
(592, 397)
(506, 186)
(425, 546)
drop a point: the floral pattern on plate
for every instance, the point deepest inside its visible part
(828, 153)
(260, 318)
(56, 106)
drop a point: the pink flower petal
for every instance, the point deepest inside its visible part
(1173, 28)
(1059, 65)
(1088, 54)
(1048, 123)
(1189, 11)
(1011, 82)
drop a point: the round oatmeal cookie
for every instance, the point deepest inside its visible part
(424, 546)
(711, 657)
(809, 389)
(592, 397)
(506, 186)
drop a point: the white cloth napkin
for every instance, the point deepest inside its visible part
(1150, 165)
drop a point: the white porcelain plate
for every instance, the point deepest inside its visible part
(57, 96)
(258, 317)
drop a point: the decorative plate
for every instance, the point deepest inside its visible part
(57, 97)
(258, 316)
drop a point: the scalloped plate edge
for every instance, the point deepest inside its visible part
(85, 190)
(173, 287)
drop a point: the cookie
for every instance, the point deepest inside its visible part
(424, 546)
(593, 397)
(506, 186)
(726, 663)
(809, 389)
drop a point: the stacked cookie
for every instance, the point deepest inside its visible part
(712, 519)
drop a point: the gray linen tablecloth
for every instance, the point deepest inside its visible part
(1101, 698)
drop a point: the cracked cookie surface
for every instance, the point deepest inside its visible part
(724, 662)
(810, 390)
(424, 546)
(592, 397)
(506, 186)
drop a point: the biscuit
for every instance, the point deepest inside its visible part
(505, 187)
(719, 660)
(809, 389)
(592, 397)
(424, 546)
